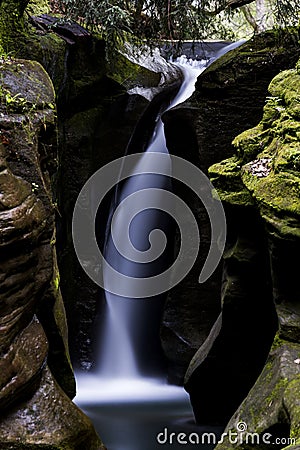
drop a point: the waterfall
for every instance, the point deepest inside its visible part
(129, 336)
(130, 402)
(130, 323)
(127, 328)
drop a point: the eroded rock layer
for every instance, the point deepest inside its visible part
(29, 280)
(229, 98)
(262, 178)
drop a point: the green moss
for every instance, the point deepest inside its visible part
(281, 192)
(276, 392)
(225, 177)
(285, 101)
(293, 446)
(251, 142)
(130, 74)
(50, 50)
(227, 167)
(286, 86)
(56, 281)
(288, 158)
(276, 190)
(53, 318)
(38, 7)
(278, 341)
(11, 26)
(292, 401)
(25, 87)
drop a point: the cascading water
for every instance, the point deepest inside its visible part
(131, 323)
(127, 325)
(121, 377)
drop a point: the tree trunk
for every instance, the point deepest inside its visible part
(250, 18)
(258, 21)
(261, 15)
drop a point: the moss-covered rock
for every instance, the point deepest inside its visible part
(11, 24)
(47, 421)
(129, 74)
(229, 99)
(142, 70)
(239, 82)
(24, 88)
(272, 407)
(225, 367)
(35, 412)
(96, 118)
(264, 175)
(51, 313)
(274, 188)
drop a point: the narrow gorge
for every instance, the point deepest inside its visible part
(66, 111)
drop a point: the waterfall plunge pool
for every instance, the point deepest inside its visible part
(142, 414)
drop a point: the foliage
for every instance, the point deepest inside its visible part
(287, 12)
(155, 20)
(11, 22)
(151, 20)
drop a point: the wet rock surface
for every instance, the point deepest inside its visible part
(96, 121)
(47, 420)
(29, 286)
(272, 146)
(229, 98)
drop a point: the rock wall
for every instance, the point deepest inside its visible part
(229, 98)
(262, 177)
(36, 379)
(97, 118)
(271, 179)
(96, 121)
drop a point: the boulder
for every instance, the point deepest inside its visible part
(224, 368)
(47, 420)
(271, 409)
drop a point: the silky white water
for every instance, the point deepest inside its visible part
(117, 356)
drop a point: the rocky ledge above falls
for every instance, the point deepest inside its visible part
(263, 177)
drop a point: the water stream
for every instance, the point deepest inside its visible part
(127, 396)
